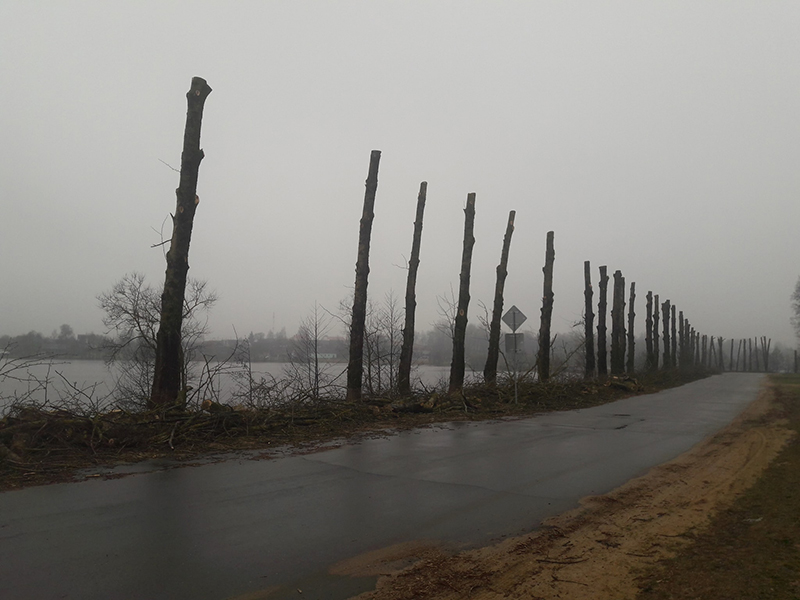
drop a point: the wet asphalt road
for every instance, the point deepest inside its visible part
(240, 526)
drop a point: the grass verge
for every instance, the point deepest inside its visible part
(46, 446)
(752, 549)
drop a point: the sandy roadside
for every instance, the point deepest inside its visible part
(596, 550)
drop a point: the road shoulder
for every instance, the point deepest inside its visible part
(598, 550)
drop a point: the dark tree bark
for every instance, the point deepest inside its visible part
(648, 334)
(543, 361)
(656, 336)
(665, 313)
(407, 350)
(631, 365)
(674, 340)
(588, 320)
(168, 388)
(355, 367)
(618, 325)
(490, 370)
(730, 365)
(765, 345)
(750, 354)
(721, 357)
(602, 309)
(460, 327)
(681, 341)
(712, 353)
(703, 351)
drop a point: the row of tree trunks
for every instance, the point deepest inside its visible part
(407, 350)
(543, 360)
(749, 357)
(169, 388)
(355, 366)
(460, 326)
(490, 369)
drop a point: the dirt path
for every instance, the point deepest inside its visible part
(595, 551)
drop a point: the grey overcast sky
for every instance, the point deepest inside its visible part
(658, 138)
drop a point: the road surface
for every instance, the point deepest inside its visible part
(242, 527)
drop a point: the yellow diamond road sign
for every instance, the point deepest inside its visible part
(514, 318)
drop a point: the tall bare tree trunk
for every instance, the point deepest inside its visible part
(407, 350)
(656, 335)
(665, 312)
(355, 368)
(588, 321)
(543, 361)
(631, 366)
(490, 370)
(168, 387)
(765, 344)
(712, 353)
(738, 354)
(721, 357)
(648, 334)
(674, 358)
(730, 366)
(602, 309)
(460, 326)
(618, 325)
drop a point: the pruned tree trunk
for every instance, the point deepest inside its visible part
(631, 365)
(543, 361)
(730, 366)
(681, 342)
(490, 369)
(765, 344)
(588, 321)
(721, 357)
(648, 334)
(602, 309)
(674, 339)
(665, 312)
(656, 335)
(618, 325)
(703, 351)
(738, 354)
(407, 350)
(355, 367)
(169, 389)
(712, 353)
(460, 326)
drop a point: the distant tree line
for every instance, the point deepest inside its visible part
(63, 342)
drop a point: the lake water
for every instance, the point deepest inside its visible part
(91, 380)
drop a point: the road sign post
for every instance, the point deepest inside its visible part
(514, 341)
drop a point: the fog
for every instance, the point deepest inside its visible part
(660, 139)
